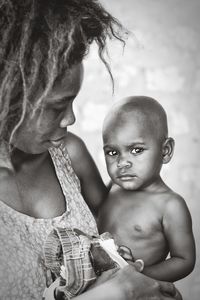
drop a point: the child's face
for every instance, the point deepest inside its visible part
(48, 126)
(133, 153)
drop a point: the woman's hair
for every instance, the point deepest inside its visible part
(39, 40)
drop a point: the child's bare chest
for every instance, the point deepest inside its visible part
(138, 225)
(138, 218)
(135, 220)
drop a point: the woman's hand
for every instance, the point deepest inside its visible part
(129, 284)
(133, 285)
(137, 286)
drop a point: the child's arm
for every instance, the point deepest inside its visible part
(177, 226)
(93, 189)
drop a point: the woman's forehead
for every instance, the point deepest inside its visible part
(69, 84)
(71, 78)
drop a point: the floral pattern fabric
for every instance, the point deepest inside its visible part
(23, 275)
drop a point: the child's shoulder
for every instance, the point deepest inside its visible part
(176, 214)
(172, 198)
(176, 205)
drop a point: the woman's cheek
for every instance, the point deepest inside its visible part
(51, 119)
(45, 125)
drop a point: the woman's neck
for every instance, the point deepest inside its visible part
(21, 160)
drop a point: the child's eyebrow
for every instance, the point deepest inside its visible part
(136, 143)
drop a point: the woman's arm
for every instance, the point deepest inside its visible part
(125, 284)
(93, 189)
(129, 284)
(177, 227)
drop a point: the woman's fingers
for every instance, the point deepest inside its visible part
(178, 295)
(167, 288)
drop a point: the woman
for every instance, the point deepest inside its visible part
(44, 171)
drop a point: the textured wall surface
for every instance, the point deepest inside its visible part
(161, 60)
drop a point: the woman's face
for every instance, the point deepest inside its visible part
(49, 124)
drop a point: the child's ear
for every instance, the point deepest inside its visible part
(168, 150)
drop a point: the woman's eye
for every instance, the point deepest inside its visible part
(59, 109)
(62, 106)
(137, 150)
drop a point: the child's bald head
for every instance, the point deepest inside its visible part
(145, 110)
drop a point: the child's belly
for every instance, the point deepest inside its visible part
(143, 236)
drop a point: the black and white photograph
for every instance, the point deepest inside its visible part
(99, 159)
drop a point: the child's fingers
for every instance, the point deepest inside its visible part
(139, 265)
(125, 252)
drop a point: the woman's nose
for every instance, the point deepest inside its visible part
(67, 119)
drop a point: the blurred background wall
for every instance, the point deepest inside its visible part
(162, 60)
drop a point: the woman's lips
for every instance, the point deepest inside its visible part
(57, 142)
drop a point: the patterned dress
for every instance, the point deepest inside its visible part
(23, 275)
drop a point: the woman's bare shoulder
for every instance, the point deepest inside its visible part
(73, 140)
(76, 148)
(79, 155)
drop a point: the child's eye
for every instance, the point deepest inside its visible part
(137, 150)
(111, 152)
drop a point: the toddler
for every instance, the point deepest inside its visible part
(141, 211)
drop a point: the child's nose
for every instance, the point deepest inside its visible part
(124, 163)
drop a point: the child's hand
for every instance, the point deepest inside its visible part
(126, 253)
(139, 264)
